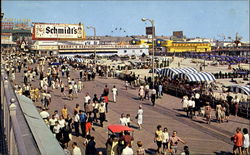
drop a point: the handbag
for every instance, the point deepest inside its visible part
(136, 117)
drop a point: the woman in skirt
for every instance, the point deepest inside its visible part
(62, 88)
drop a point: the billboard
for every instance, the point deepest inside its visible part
(178, 34)
(150, 30)
(52, 31)
(15, 24)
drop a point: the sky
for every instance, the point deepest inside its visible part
(206, 19)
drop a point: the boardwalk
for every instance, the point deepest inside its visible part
(200, 137)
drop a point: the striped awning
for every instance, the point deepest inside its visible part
(240, 89)
(79, 60)
(172, 72)
(156, 70)
(197, 77)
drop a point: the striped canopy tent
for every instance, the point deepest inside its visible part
(240, 89)
(62, 56)
(69, 58)
(156, 70)
(79, 60)
(197, 77)
(172, 72)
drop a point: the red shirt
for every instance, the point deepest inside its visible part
(238, 139)
(88, 126)
(106, 99)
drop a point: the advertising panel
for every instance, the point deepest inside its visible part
(52, 31)
(15, 24)
(178, 34)
(150, 30)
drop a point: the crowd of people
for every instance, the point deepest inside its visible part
(65, 125)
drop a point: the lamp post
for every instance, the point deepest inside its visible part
(153, 49)
(92, 27)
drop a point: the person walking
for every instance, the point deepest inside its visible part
(173, 143)
(160, 90)
(185, 103)
(90, 148)
(218, 112)
(76, 149)
(123, 120)
(76, 119)
(208, 110)
(89, 109)
(165, 139)
(141, 93)
(128, 150)
(83, 119)
(95, 111)
(102, 113)
(106, 91)
(139, 117)
(71, 91)
(158, 138)
(128, 119)
(126, 85)
(62, 89)
(115, 93)
(246, 142)
(86, 99)
(236, 102)
(140, 150)
(64, 112)
(146, 89)
(153, 97)
(238, 141)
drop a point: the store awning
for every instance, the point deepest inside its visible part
(172, 72)
(197, 77)
(240, 89)
(156, 70)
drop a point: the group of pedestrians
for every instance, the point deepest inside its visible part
(166, 143)
(145, 92)
(122, 145)
(193, 106)
(241, 142)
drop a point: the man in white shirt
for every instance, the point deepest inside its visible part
(44, 114)
(127, 150)
(76, 149)
(191, 106)
(146, 88)
(115, 93)
(123, 120)
(52, 122)
(86, 98)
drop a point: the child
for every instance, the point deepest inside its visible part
(128, 119)
(126, 85)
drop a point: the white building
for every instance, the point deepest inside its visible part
(120, 50)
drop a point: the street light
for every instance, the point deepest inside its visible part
(153, 50)
(92, 27)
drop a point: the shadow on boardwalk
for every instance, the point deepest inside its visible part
(223, 153)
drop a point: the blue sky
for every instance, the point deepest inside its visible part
(195, 18)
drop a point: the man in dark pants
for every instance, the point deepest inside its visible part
(90, 148)
(76, 123)
(153, 97)
(83, 118)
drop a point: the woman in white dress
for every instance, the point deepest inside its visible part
(139, 117)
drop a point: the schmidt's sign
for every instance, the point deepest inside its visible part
(44, 31)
